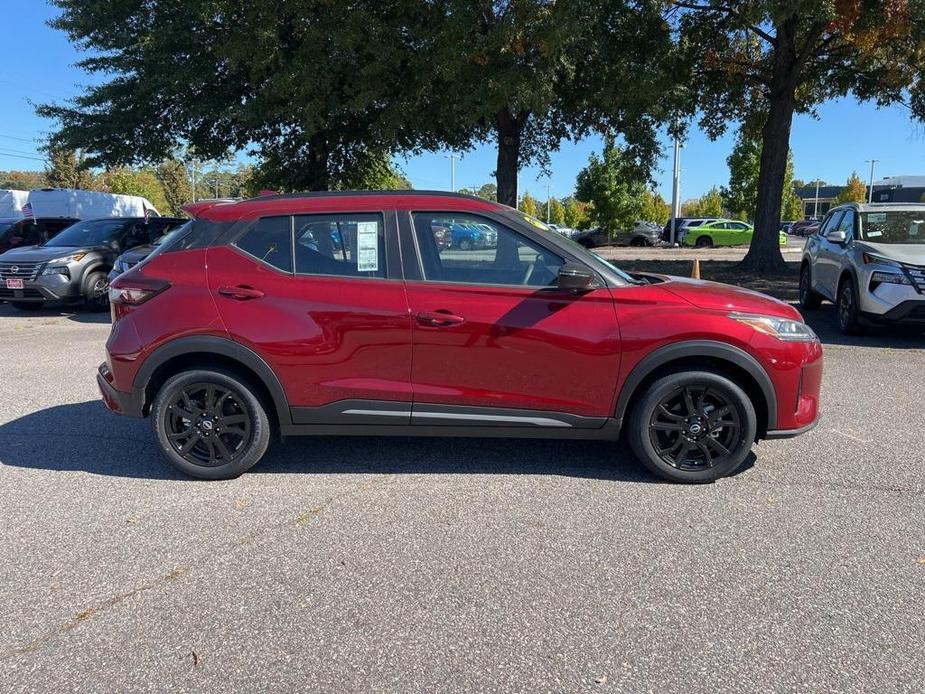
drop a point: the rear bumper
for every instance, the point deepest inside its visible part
(791, 433)
(130, 404)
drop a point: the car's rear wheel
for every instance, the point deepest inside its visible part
(694, 426)
(809, 299)
(704, 242)
(465, 245)
(210, 424)
(27, 305)
(638, 242)
(849, 321)
(96, 297)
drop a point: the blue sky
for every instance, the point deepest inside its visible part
(38, 65)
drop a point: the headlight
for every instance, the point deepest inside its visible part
(782, 328)
(73, 258)
(56, 270)
(888, 278)
(871, 259)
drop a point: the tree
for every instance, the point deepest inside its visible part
(22, 180)
(143, 182)
(613, 186)
(654, 208)
(67, 168)
(556, 211)
(577, 214)
(760, 62)
(710, 204)
(741, 196)
(528, 206)
(175, 181)
(855, 191)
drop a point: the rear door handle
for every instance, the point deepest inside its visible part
(439, 319)
(240, 293)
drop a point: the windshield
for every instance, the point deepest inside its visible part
(893, 226)
(97, 232)
(591, 258)
(6, 225)
(169, 235)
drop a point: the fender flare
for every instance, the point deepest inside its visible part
(699, 348)
(209, 344)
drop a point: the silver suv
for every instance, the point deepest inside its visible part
(870, 261)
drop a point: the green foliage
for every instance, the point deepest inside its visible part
(654, 208)
(741, 196)
(175, 182)
(529, 207)
(556, 211)
(68, 168)
(143, 182)
(710, 204)
(22, 180)
(854, 191)
(487, 191)
(577, 213)
(614, 187)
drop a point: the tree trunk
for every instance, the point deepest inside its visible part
(509, 129)
(319, 174)
(764, 253)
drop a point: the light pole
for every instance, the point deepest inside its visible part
(870, 185)
(547, 201)
(676, 190)
(452, 157)
(816, 202)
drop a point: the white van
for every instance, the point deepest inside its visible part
(87, 204)
(11, 202)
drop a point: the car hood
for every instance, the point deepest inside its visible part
(724, 297)
(912, 253)
(138, 253)
(38, 254)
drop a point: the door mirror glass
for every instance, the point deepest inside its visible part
(575, 278)
(837, 236)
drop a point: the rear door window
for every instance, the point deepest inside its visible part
(270, 241)
(341, 245)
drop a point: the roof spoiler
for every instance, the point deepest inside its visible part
(194, 209)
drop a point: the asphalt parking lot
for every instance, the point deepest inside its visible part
(426, 565)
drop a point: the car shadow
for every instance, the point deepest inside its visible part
(72, 313)
(824, 321)
(85, 437)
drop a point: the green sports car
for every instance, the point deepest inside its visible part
(723, 232)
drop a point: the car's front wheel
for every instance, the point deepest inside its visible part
(849, 320)
(704, 242)
(210, 424)
(694, 426)
(96, 296)
(809, 299)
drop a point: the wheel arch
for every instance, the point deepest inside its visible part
(211, 352)
(740, 366)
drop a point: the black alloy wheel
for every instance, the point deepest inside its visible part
(705, 242)
(694, 428)
(97, 298)
(848, 319)
(210, 424)
(809, 299)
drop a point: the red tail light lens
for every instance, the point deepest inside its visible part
(133, 289)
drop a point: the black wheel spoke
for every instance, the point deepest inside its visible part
(683, 450)
(192, 441)
(716, 445)
(689, 402)
(208, 424)
(667, 426)
(222, 448)
(670, 415)
(707, 458)
(231, 420)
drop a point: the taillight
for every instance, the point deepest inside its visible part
(134, 289)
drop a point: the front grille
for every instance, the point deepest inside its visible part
(917, 274)
(24, 271)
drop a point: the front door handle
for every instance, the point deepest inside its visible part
(240, 293)
(439, 319)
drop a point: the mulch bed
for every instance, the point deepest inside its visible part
(784, 286)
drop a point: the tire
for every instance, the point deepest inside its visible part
(245, 439)
(656, 442)
(638, 242)
(96, 292)
(27, 305)
(846, 305)
(704, 242)
(465, 245)
(809, 299)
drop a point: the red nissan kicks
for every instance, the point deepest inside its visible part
(349, 313)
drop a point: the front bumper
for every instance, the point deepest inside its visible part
(130, 404)
(44, 288)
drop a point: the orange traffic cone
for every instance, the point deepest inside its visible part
(695, 272)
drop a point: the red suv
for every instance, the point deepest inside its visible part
(346, 313)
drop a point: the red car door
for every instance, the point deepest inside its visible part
(314, 295)
(493, 336)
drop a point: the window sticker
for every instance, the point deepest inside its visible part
(875, 217)
(367, 246)
(872, 234)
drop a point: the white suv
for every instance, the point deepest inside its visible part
(870, 261)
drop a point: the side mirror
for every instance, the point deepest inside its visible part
(837, 236)
(575, 278)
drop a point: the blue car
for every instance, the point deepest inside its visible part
(469, 236)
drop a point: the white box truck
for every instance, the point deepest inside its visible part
(87, 204)
(11, 202)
